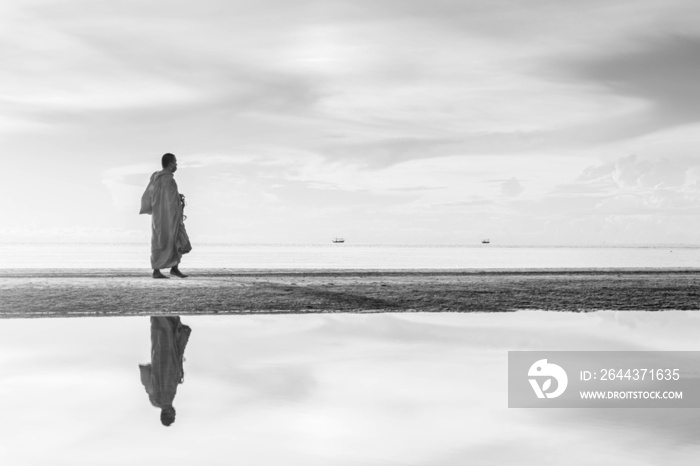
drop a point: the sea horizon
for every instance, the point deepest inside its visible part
(213, 255)
(346, 243)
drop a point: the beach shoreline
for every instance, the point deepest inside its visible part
(30, 293)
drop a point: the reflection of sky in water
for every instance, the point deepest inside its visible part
(328, 389)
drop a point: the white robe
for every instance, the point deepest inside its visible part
(169, 239)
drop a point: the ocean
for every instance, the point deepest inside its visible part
(348, 256)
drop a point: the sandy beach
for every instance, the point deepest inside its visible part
(92, 292)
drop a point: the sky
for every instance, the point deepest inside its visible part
(396, 121)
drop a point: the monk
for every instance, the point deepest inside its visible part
(169, 240)
(161, 377)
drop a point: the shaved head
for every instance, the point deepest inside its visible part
(167, 159)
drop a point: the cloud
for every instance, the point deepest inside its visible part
(662, 71)
(383, 115)
(631, 171)
(652, 78)
(399, 80)
(512, 188)
(630, 199)
(126, 184)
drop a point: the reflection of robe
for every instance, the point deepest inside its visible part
(168, 236)
(161, 378)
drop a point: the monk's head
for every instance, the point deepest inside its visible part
(169, 161)
(167, 416)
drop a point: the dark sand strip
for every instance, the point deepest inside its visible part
(86, 292)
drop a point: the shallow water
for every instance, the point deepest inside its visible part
(348, 389)
(348, 256)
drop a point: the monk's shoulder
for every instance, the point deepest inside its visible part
(162, 177)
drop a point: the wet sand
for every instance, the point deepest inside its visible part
(93, 292)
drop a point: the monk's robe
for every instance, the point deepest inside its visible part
(169, 240)
(160, 378)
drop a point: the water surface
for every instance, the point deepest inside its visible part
(409, 389)
(348, 256)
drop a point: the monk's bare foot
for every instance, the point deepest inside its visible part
(157, 274)
(175, 271)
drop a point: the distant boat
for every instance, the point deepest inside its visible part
(485, 241)
(338, 240)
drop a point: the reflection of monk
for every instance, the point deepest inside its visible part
(161, 378)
